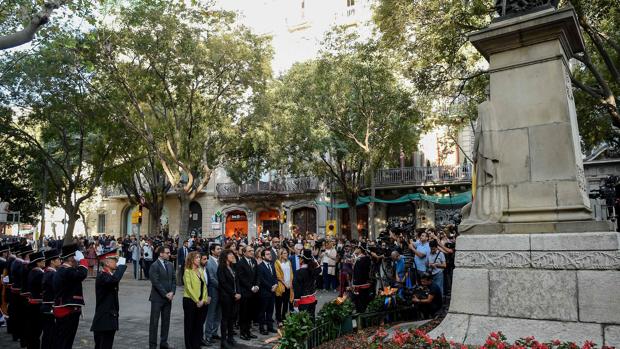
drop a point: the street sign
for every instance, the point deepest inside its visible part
(331, 228)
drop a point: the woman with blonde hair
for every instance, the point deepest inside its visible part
(195, 300)
(284, 294)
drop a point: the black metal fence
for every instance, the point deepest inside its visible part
(323, 331)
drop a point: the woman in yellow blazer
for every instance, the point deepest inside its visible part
(284, 290)
(195, 300)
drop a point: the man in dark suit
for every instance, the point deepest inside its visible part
(248, 283)
(267, 282)
(295, 257)
(181, 255)
(105, 321)
(163, 282)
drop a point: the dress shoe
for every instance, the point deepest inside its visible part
(271, 330)
(216, 337)
(252, 335)
(231, 341)
(264, 332)
(166, 346)
(205, 343)
(245, 337)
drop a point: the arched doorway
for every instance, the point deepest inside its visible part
(305, 220)
(195, 218)
(236, 224)
(128, 228)
(269, 221)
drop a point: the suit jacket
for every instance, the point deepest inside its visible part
(181, 255)
(162, 281)
(247, 275)
(67, 285)
(293, 259)
(106, 291)
(228, 284)
(266, 279)
(212, 267)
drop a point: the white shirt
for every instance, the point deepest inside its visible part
(286, 270)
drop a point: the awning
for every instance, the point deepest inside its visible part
(454, 199)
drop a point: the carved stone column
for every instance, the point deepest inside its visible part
(531, 260)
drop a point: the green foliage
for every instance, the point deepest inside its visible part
(297, 327)
(16, 182)
(334, 314)
(449, 74)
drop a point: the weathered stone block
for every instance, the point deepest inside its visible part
(612, 336)
(535, 294)
(601, 241)
(453, 327)
(532, 194)
(473, 294)
(513, 155)
(542, 330)
(599, 296)
(499, 242)
(551, 151)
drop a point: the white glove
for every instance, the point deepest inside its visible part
(78, 256)
(5, 279)
(121, 261)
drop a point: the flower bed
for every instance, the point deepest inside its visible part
(417, 338)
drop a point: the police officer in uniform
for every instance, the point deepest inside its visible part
(20, 294)
(105, 321)
(68, 296)
(361, 278)
(52, 263)
(33, 309)
(304, 283)
(8, 285)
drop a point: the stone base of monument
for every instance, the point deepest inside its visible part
(550, 285)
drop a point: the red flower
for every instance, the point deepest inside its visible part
(587, 345)
(556, 342)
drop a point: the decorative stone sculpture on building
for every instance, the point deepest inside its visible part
(531, 261)
(518, 7)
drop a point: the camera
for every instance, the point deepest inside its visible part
(420, 292)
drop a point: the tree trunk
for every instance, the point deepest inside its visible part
(72, 219)
(353, 220)
(155, 212)
(184, 216)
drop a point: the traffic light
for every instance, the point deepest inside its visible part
(331, 229)
(140, 215)
(282, 216)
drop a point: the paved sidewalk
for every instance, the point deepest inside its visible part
(134, 318)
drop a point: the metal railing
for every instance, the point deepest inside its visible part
(286, 186)
(423, 175)
(322, 332)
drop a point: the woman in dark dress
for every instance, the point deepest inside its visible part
(229, 296)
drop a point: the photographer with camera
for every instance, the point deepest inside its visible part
(421, 250)
(427, 299)
(436, 264)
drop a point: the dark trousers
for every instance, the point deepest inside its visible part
(230, 309)
(10, 321)
(266, 311)
(104, 339)
(361, 300)
(159, 309)
(330, 282)
(310, 308)
(247, 313)
(282, 305)
(49, 327)
(65, 330)
(21, 318)
(147, 266)
(33, 337)
(192, 324)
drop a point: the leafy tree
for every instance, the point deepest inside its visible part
(50, 110)
(183, 77)
(21, 20)
(340, 116)
(16, 182)
(431, 37)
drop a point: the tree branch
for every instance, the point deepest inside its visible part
(36, 22)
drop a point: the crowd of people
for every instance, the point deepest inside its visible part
(229, 285)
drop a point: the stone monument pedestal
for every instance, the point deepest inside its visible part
(530, 260)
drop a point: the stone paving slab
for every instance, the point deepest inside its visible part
(134, 318)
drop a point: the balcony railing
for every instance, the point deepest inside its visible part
(422, 175)
(277, 187)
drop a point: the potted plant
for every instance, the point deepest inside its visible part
(339, 314)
